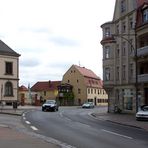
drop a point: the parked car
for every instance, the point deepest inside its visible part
(142, 114)
(50, 105)
(88, 105)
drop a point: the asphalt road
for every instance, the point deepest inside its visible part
(77, 128)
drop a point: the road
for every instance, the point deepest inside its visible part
(77, 128)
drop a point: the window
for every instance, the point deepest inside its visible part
(123, 6)
(131, 46)
(117, 29)
(131, 23)
(8, 89)
(123, 27)
(123, 48)
(131, 70)
(88, 91)
(118, 73)
(117, 50)
(107, 52)
(107, 32)
(145, 15)
(44, 93)
(107, 74)
(79, 91)
(9, 68)
(123, 72)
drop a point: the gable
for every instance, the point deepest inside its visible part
(6, 50)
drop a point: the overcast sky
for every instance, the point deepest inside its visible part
(52, 35)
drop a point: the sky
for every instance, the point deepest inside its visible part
(52, 35)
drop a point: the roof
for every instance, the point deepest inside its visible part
(6, 50)
(23, 88)
(86, 72)
(45, 86)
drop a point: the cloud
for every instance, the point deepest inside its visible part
(62, 41)
(29, 62)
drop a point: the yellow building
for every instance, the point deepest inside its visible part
(42, 91)
(87, 86)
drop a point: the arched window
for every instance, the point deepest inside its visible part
(8, 89)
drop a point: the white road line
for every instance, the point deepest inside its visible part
(116, 134)
(27, 122)
(23, 115)
(34, 128)
(24, 118)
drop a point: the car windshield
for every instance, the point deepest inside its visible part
(50, 101)
(145, 108)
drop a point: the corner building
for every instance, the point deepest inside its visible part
(124, 39)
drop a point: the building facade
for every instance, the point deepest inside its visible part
(9, 74)
(44, 90)
(121, 69)
(87, 86)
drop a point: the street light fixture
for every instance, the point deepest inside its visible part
(136, 61)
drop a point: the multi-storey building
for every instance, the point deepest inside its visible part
(87, 86)
(9, 74)
(119, 66)
(142, 50)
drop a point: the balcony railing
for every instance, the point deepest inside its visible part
(143, 78)
(141, 52)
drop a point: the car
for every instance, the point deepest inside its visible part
(88, 105)
(50, 105)
(142, 114)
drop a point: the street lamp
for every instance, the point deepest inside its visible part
(136, 61)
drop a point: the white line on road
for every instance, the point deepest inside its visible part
(27, 122)
(116, 134)
(34, 128)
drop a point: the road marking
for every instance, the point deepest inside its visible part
(34, 128)
(27, 122)
(24, 118)
(23, 115)
(116, 134)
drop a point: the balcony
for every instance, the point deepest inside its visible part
(142, 52)
(143, 78)
(108, 39)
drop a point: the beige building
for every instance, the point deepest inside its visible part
(9, 74)
(121, 38)
(87, 86)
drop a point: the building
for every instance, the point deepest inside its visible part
(44, 90)
(24, 96)
(121, 72)
(142, 51)
(9, 74)
(87, 86)
(65, 94)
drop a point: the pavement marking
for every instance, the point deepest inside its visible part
(27, 122)
(24, 118)
(34, 128)
(23, 115)
(116, 134)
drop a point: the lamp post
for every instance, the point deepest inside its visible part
(136, 61)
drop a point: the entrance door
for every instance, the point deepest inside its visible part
(146, 95)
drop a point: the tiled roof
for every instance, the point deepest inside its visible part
(86, 72)
(23, 88)
(6, 50)
(45, 86)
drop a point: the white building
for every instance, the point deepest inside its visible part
(9, 74)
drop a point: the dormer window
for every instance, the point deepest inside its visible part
(123, 6)
(145, 15)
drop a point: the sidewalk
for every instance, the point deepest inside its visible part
(10, 137)
(123, 119)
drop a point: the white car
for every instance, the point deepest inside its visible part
(88, 105)
(142, 114)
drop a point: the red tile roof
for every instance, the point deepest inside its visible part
(23, 88)
(87, 72)
(45, 86)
